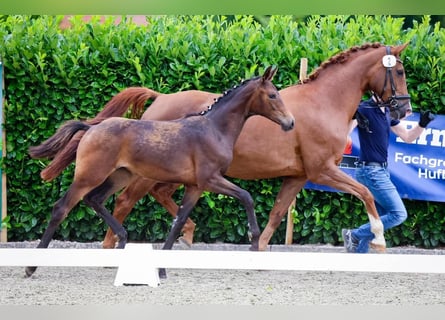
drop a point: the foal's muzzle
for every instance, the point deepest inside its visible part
(288, 124)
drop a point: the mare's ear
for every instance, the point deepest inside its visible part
(400, 48)
(269, 73)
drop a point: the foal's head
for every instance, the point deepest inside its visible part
(266, 100)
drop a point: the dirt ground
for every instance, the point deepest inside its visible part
(90, 286)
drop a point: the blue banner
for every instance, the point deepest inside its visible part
(417, 169)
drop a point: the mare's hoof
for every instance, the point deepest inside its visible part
(184, 243)
(108, 245)
(29, 271)
(162, 273)
(378, 247)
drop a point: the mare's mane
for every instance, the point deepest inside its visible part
(339, 58)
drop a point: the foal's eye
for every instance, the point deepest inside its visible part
(272, 96)
(400, 72)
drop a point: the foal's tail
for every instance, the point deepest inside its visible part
(62, 151)
(61, 138)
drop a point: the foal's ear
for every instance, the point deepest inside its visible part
(269, 73)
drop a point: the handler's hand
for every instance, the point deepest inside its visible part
(425, 118)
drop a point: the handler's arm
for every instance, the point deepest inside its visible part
(407, 135)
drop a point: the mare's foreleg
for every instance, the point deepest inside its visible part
(220, 185)
(337, 179)
(288, 192)
(191, 197)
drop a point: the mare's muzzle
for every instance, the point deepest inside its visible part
(399, 106)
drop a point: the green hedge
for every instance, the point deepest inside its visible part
(54, 75)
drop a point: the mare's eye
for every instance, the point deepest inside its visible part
(400, 72)
(272, 96)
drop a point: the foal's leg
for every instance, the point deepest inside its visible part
(336, 178)
(96, 198)
(60, 211)
(289, 189)
(191, 196)
(162, 192)
(219, 184)
(124, 203)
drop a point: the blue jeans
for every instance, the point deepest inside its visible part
(389, 205)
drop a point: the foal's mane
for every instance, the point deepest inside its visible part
(219, 99)
(339, 58)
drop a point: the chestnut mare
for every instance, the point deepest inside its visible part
(195, 151)
(323, 105)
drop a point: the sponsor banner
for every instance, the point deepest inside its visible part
(417, 169)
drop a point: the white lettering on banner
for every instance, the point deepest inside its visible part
(419, 160)
(432, 174)
(436, 136)
(425, 173)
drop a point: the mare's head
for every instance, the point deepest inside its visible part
(388, 84)
(266, 100)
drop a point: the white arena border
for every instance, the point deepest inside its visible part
(139, 263)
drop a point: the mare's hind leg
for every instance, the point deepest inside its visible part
(219, 184)
(191, 196)
(289, 189)
(60, 211)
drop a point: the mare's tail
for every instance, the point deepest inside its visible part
(62, 154)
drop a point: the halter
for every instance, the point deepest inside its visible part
(392, 103)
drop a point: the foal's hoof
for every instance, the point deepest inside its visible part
(378, 247)
(29, 271)
(162, 273)
(121, 244)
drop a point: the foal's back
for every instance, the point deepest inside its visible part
(160, 150)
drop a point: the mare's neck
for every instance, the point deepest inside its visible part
(347, 83)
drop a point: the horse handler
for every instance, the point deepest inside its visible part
(374, 124)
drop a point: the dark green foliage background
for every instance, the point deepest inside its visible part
(54, 75)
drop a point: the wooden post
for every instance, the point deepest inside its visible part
(290, 223)
(290, 220)
(303, 69)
